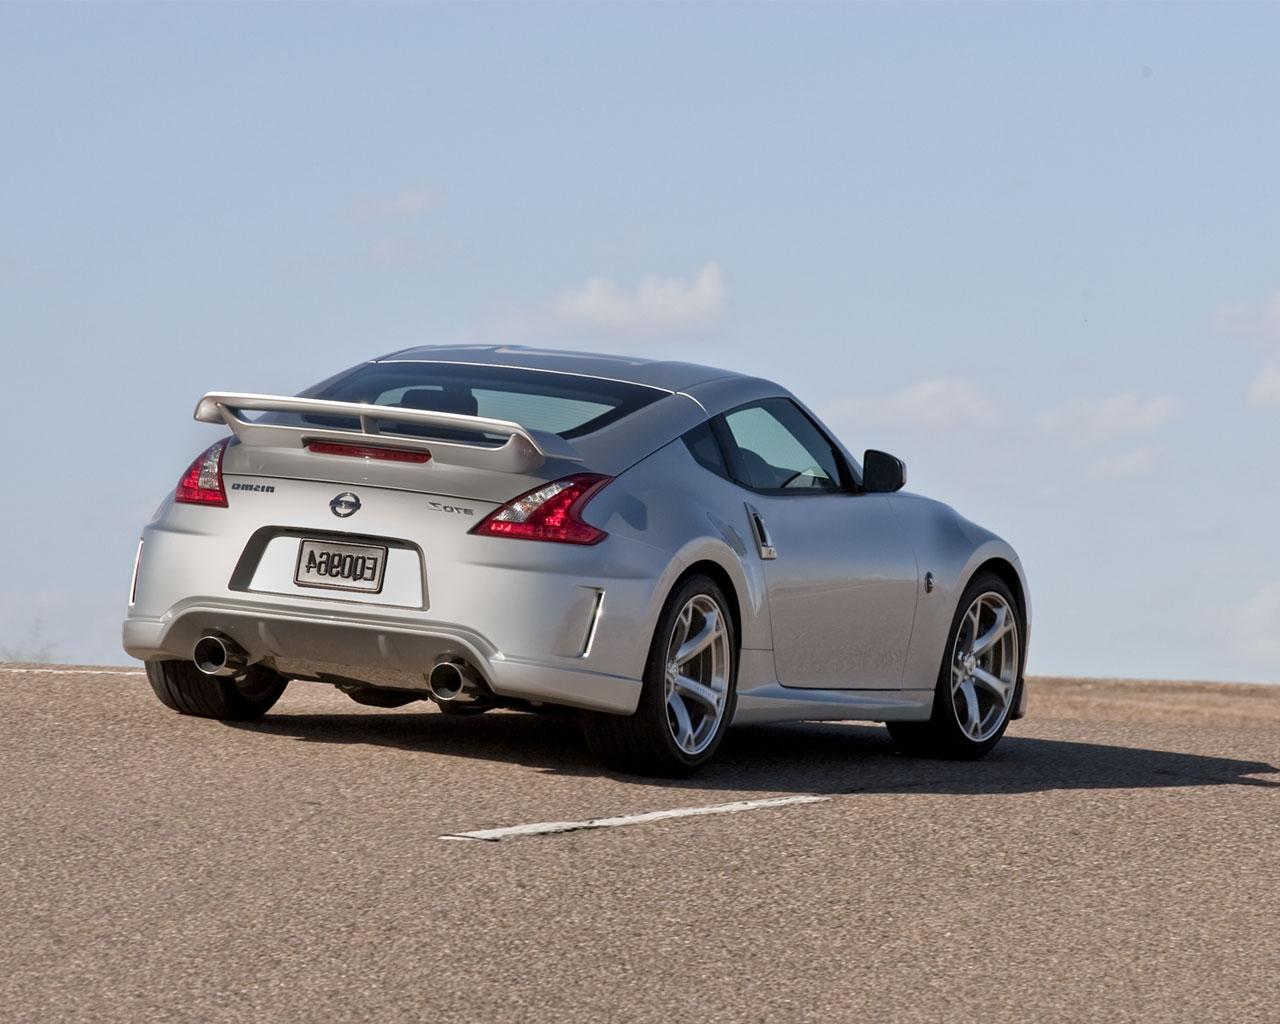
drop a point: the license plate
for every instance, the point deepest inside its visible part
(333, 566)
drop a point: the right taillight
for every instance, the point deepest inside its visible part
(202, 484)
(551, 512)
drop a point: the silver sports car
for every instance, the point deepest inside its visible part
(667, 547)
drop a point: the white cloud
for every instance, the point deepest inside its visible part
(656, 305)
(1138, 461)
(390, 250)
(407, 202)
(1261, 326)
(606, 312)
(1112, 417)
(943, 403)
(1265, 389)
(1110, 437)
(1255, 323)
(1111, 434)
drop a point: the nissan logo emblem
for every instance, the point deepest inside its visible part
(345, 504)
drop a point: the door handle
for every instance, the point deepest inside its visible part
(764, 543)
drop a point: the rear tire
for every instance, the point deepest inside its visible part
(184, 688)
(976, 691)
(661, 738)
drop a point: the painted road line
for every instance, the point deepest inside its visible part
(543, 828)
(5, 670)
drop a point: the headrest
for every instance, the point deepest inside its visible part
(455, 400)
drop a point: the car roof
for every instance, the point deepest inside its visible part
(658, 373)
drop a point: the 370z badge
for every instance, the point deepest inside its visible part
(459, 510)
(344, 505)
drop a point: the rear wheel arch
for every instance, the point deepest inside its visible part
(655, 739)
(722, 579)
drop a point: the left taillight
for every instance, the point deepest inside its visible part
(202, 483)
(552, 512)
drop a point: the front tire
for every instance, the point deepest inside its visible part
(689, 692)
(978, 679)
(184, 688)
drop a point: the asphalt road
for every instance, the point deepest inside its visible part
(1112, 861)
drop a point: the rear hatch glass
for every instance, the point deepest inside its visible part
(559, 403)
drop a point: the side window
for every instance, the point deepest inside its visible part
(779, 448)
(705, 449)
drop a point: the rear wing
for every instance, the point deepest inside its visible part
(524, 450)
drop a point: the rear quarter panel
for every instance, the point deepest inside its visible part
(689, 515)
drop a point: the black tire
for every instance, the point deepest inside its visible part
(642, 743)
(184, 688)
(942, 736)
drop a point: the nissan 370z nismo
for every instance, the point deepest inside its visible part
(667, 547)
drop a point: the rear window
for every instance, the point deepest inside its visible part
(559, 403)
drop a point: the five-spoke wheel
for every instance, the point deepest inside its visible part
(688, 696)
(978, 680)
(696, 680)
(984, 666)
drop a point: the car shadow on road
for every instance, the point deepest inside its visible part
(801, 757)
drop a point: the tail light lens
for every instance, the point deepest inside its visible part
(552, 512)
(201, 484)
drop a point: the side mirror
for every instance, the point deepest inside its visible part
(882, 473)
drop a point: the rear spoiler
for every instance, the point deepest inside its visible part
(523, 451)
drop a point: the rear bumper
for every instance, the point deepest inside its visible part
(364, 645)
(557, 623)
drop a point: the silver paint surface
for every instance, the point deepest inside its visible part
(838, 625)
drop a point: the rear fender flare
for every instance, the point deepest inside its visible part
(745, 576)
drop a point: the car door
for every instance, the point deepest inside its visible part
(840, 572)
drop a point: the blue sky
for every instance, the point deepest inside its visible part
(1030, 249)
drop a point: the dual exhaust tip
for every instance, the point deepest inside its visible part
(450, 681)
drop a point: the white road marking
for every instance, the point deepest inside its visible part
(5, 670)
(542, 828)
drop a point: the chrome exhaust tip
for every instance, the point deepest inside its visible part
(217, 655)
(451, 681)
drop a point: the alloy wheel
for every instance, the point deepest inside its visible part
(697, 674)
(984, 666)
